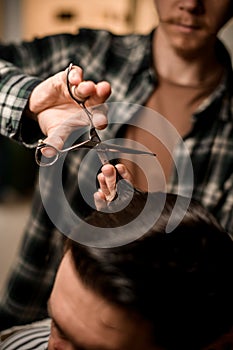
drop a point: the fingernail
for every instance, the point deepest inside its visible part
(48, 152)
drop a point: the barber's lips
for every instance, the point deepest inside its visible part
(186, 27)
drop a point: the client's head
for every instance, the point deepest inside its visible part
(161, 291)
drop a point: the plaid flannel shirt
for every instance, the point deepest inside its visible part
(126, 62)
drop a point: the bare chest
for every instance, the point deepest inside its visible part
(170, 110)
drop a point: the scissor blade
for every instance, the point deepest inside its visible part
(85, 144)
(108, 147)
(102, 152)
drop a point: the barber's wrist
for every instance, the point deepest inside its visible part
(28, 113)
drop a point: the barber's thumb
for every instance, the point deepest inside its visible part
(58, 135)
(55, 140)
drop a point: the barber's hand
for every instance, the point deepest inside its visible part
(107, 181)
(57, 113)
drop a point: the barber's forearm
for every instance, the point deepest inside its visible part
(15, 89)
(22, 67)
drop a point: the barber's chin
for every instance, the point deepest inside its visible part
(187, 49)
(191, 46)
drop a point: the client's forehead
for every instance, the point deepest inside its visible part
(87, 319)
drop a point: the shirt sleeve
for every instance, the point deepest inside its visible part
(33, 336)
(22, 67)
(15, 89)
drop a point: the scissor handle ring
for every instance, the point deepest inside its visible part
(39, 155)
(80, 102)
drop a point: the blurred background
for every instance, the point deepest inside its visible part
(27, 19)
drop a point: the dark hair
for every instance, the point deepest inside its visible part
(181, 282)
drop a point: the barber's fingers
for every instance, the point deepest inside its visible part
(100, 200)
(53, 91)
(107, 189)
(108, 177)
(94, 93)
(124, 172)
(87, 90)
(99, 115)
(94, 96)
(75, 75)
(107, 181)
(58, 114)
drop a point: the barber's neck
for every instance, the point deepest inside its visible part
(182, 67)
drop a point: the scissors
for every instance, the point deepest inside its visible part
(93, 142)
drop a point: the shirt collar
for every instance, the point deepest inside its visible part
(223, 92)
